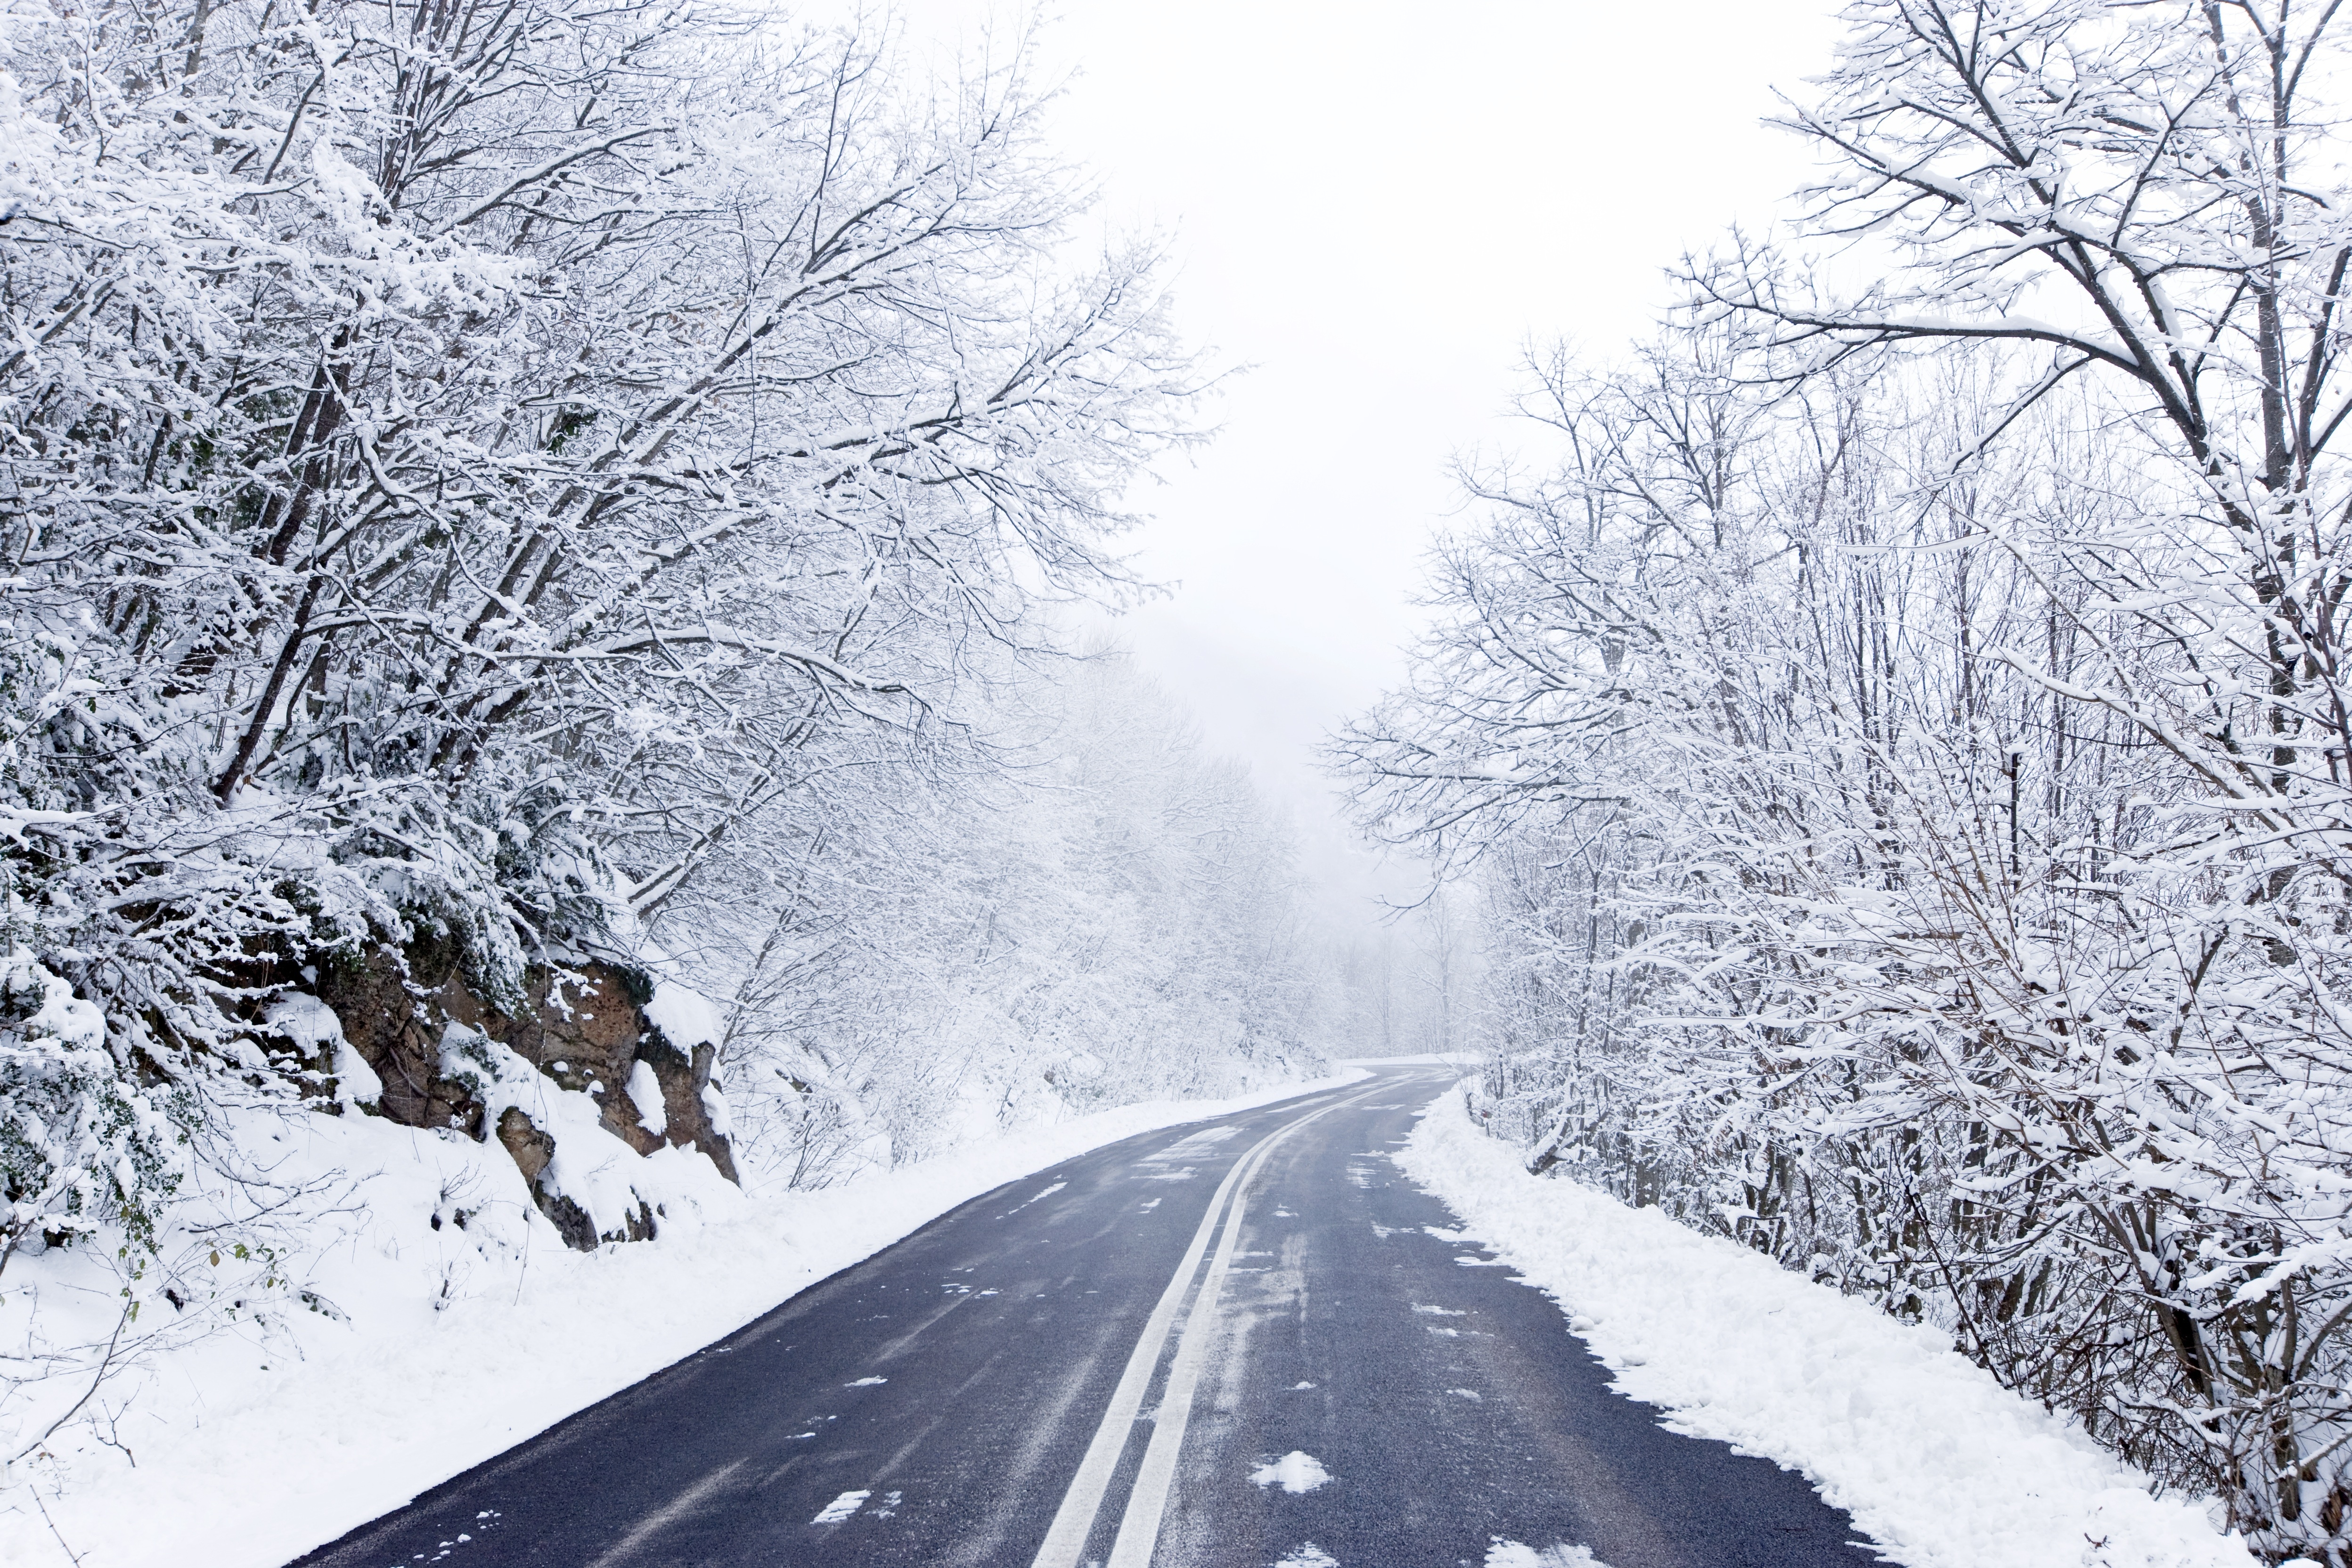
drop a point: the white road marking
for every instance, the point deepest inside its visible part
(865, 1383)
(1075, 1519)
(1138, 1527)
(841, 1507)
(660, 1518)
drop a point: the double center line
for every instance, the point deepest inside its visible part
(1147, 1499)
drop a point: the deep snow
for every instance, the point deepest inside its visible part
(439, 1345)
(1935, 1461)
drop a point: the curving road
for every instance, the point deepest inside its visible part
(1238, 1345)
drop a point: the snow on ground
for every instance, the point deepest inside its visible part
(1935, 1461)
(451, 1325)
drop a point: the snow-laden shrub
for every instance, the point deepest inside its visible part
(81, 1143)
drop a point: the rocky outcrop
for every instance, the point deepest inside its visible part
(584, 1026)
(532, 1148)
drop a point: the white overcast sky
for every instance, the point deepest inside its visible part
(1375, 205)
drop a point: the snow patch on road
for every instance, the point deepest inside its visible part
(1199, 1144)
(1295, 1472)
(1034, 1197)
(1513, 1555)
(1935, 1461)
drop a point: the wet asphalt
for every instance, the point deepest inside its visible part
(932, 1405)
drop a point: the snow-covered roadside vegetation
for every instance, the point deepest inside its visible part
(1894, 743)
(459, 1341)
(1111, 914)
(533, 538)
(1938, 1464)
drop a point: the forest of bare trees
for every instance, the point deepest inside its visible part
(499, 498)
(512, 502)
(1900, 740)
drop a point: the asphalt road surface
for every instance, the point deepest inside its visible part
(1237, 1344)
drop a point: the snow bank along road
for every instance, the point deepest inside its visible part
(1236, 1344)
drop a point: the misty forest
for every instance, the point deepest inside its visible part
(560, 589)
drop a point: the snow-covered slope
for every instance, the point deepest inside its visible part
(1940, 1464)
(435, 1346)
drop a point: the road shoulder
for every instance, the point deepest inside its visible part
(1934, 1459)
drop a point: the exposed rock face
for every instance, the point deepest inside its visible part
(589, 1037)
(532, 1148)
(586, 1029)
(395, 1024)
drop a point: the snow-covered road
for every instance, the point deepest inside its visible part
(1241, 1342)
(1266, 1341)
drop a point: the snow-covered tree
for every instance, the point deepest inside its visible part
(562, 495)
(461, 468)
(1113, 914)
(1901, 745)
